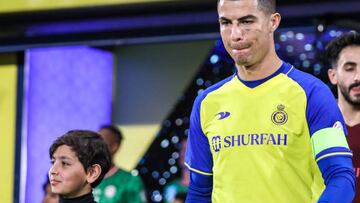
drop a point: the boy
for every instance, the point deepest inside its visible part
(80, 159)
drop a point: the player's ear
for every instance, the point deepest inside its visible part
(332, 76)
(93, 173)
(275, 19)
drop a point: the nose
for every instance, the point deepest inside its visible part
(237, 33)
(53, 170)
(357, 75)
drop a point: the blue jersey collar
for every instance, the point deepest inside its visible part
(284, 68)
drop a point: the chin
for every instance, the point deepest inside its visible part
(57, 191)
(60, 191)
(244, 63)
(243, 60)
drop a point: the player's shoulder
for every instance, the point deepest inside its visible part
(212, 88)
(127, 175)
(122, 173)
(307, 81)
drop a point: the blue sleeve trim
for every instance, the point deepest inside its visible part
(322, 110)
(339, 177)
(200, 188)
(333, 150)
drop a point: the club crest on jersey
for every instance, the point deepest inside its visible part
(216, 143)
(279, 117)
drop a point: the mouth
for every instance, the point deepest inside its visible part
(240, 47)
(355, 88)
(54, 182)
(240, 50)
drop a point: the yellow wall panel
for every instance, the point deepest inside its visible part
(30, 5)
(137, 139)
(8, 80)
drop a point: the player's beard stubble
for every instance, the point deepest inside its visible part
(353, 100)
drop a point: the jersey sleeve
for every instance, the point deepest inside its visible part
(339, 178)
(326, 124)
(328, 140)
(198, 157)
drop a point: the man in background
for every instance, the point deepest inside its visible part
(118, 186)
(176, 190)
(344, 57)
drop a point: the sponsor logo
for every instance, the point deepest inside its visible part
(223, 115)
(244, 140)
(279, 117)
(216, 143)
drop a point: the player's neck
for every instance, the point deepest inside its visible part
(260, 70)
(112, 171)
(350, 112)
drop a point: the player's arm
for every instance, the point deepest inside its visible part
(335, 162)
(198, 159)
(330, 148)
(200, 188)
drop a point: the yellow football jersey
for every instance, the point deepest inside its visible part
(260, 140)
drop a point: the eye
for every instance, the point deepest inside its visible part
(224, 22)
(349, 68)
(65, 163)
(247, 22)
(52, 161)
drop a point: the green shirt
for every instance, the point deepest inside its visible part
(121, 187)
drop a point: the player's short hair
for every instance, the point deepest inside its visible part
(89, 147)
(115, 131)
(334, 48)
(267, 6)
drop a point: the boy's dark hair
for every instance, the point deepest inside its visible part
(334, 48)
(115, 131)
(89, 147)
(267, 6)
